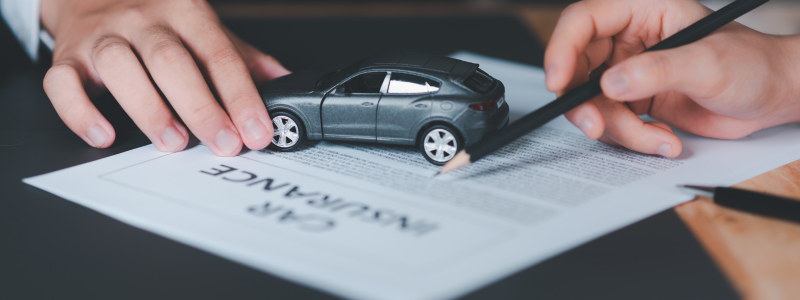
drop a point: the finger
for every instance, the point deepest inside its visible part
(588, 63)
(661, 125)
(689, 116)
(587, 118)
(595, 56)
(640, 107)
(176, 74)
(123, 75)
(646, 22)
(607, 140)
(263, 68)
(580, 24)
(629, 131)
(63, 84)
(227, 72)
(691, 69)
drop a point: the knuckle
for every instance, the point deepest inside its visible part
(168, 51)
(110, 49)
(714, 63)
(69, 112)
(660, 67)
(64, 103)
(56, 72)
(223, 59)
(155, 115)
(574, 8)
(159, 31)
(203, 112)
(134, 14)
(709, 53)
(237, 102)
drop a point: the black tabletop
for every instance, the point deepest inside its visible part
(55, 249)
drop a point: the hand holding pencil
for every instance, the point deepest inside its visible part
(730, 83)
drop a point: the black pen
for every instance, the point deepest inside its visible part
(757, 203)
(590, 89)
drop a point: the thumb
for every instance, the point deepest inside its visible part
(262, 67)
(684, 69)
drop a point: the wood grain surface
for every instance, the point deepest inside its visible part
(760, 255)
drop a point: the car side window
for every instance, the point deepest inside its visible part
(412, 84)
(367, 83)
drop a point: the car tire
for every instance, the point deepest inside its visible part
(439, 143)
(289, 132)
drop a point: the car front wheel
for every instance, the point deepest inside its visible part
(289, 132)
(439, 144)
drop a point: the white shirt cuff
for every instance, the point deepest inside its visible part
(22, 16)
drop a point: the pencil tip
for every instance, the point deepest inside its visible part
(460, 160)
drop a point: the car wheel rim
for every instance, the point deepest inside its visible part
(440, 145)
(286, 132)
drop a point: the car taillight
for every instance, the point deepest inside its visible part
(484, 106)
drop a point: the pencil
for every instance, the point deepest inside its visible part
(753, 202)
(590, 89)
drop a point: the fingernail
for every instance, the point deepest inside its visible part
(97, 135)
(665, 150)
(617, 83)
(549, 71)
(227, 141)
(255, 130)
(586, 126)
(172, 138)
(548, 74)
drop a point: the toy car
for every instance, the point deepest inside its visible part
(437, 103)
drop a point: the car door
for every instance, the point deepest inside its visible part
(349, 112)
(407, 101)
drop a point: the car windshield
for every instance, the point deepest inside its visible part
(324, 81)
(480, 82)
(333, 78)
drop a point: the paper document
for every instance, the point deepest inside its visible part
(367, 221)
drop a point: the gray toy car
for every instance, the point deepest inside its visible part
(438, 103)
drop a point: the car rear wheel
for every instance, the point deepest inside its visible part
(439, 144)
(289, 132)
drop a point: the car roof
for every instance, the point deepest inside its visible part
(457, 69)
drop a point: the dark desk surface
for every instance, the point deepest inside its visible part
(53, 248)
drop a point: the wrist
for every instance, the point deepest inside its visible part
(48, 14)
(52, 13)
(787, 60)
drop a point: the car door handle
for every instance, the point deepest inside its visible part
(420, 106)
(367, 104)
